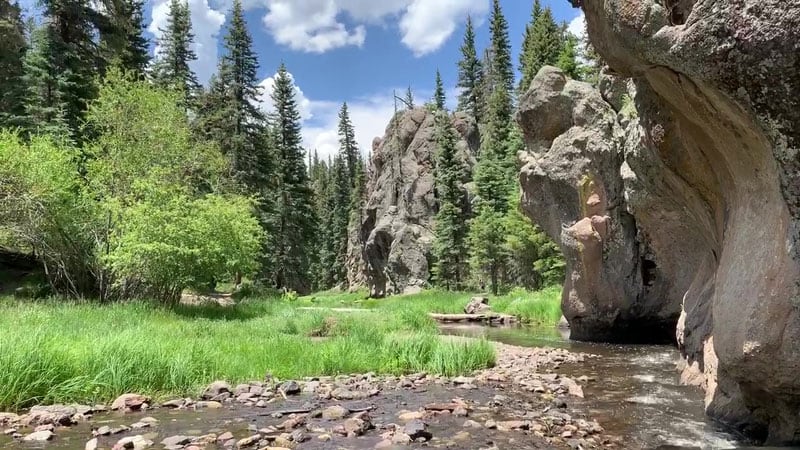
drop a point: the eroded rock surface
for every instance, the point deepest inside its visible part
(389, 249)
(711, 179)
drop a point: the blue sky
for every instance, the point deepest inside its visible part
(357, 51)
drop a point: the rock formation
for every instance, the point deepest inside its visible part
(694, 207)
(390, 248)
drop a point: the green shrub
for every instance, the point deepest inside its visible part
(142, 210)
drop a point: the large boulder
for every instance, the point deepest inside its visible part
(711, 179)
(390, 244)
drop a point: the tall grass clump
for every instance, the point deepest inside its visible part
(54, 352)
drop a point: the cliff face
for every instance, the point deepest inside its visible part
(390, 248)
(706, 221)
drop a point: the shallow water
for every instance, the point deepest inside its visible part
(636, 393)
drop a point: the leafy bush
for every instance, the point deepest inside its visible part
(140, 210)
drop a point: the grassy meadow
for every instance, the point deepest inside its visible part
(53, 351)
(538, 308)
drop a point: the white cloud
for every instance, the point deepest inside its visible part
(317, 26)
(310, 26)
(206, 23)
(577, 26)
(427, 24)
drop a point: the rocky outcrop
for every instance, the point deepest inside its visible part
(572, 187)
(708, 210)
(390, 248)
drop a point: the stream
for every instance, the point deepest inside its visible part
(635, 394)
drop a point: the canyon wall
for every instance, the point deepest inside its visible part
(683, 211)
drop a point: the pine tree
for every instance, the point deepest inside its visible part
(450, 230)
(229, 113)
(502, 66)
(470, 72)
(12, 53)
(439, 99)
(544, 46)
(527, 48)
(171, 68)
(60, 73)
(568, 57)
(494, 181)
(122, 40)
(409, 100)
(44, 111)
(348, 145)
(294, 221)
(339, 208)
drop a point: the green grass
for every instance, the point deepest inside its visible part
(540, 307)
(53, 352)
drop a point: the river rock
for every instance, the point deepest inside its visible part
(131, 402)
(290, 388)
(91, 444)
(336, 412)
(417, 429)
(248, 441)
(477, 305)
(133, 442)
(357, 426)
(410, 415)
(215, 389)
(693, 196)
(39, 436)
(347, 394)
(177, 440)
(390, 241)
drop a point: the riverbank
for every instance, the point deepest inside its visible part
(520, 403)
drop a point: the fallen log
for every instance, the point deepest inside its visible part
(485, 317)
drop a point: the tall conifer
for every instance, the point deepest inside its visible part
(172, 69)
(470, 72)
(439, 99)
(12, 53)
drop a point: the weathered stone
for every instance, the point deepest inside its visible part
(290, 388)
(410, 415)
(131, 402)
(133, 442)
(401, 439)
(389, 247)
(346, 394)
(91, 444)
(215, 389)
(39, 436)
(208, 405)
(176, 403)
(356, 427)
(224, 437)
(336, 412)
(477, 305)
(177, 440)
(248, 441)
(417, 429)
